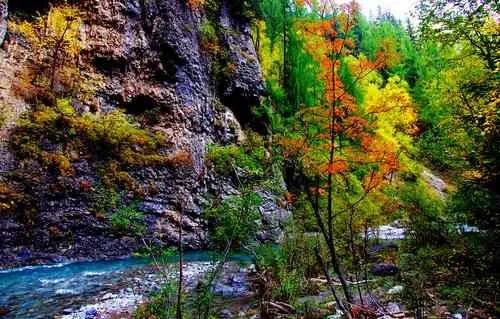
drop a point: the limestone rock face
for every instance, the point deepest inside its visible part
(142, 55)
(3, 20)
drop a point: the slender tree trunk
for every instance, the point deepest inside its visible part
(285, 44)
(179, 291)
(331, 284)
(314, 200)
(331, 245)
(55, 55)
(365, 256)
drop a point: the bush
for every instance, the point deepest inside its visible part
(161, 304)
(208, 32)
(4, 114)
(14, 201)
(249, 159)
(54, 71)
(234, 221)
(283, 283)
(105, 200)
(196, 4)
(128, 219)
(58, 136)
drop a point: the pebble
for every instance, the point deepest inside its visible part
(395, 290)
(231, 284)
(91, 313)
(67, 311)
(107, 296)
(226, 314)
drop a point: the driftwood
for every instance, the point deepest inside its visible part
(336, 283)
(280, 307)
(318, 281)
(361, 311)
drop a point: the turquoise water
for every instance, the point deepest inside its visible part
(46, 291)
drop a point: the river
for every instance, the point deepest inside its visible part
(73, 289)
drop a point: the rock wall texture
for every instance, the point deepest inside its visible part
(147, 54)
(3, 20)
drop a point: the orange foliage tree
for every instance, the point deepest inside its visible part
(196, 4)
(337, 138)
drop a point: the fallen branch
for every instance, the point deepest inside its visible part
(282, 307)
(336, 283)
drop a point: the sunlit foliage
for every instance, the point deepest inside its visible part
(55, 69)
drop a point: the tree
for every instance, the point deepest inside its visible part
(457, 94)
(233, 223)
(334, 144)
(55, 70)
(472, 21)
(462, 117)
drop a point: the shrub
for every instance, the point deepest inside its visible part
(209, 38)
(250, 159)
(15, 202)
(128, 219)
(234, 220)
(196, 4)
(105, 199)
(4, 113)
(10, 199)
(58, 136)
(282, 282)
(208, 32)
(161, 304)
(212, 8)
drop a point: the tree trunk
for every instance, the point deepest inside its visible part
(179, 291)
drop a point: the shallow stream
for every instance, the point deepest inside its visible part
(61, 289)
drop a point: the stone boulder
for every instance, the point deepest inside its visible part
(384, 269)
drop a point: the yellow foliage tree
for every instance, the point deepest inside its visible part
(393, 109)
(54, 38)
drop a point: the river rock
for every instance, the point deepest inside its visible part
(91, 313)
(107, 296)
(67, 311)
(4, 311)
(384, 269)
(394, 307)
(225, 314)
(395, 290)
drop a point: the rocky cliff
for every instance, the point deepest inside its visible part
(3, 20)
(147, 55)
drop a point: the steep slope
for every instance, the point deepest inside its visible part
(3, 19)
(148, 58)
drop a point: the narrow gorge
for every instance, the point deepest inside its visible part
(258, 159)
(148, 59)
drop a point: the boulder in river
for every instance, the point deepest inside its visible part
(384, 269)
